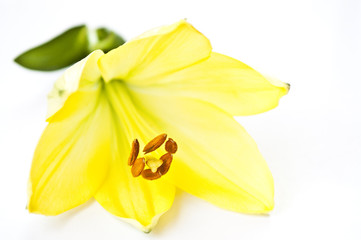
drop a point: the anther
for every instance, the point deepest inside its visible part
(171, 146)
(155, 143)
(167, 160)
(133, 152)
(138, 167)
(149, 175)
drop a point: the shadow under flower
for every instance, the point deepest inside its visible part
(61, 220)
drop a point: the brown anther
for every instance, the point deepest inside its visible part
(138, 167)
(171, 146)
(167, 160)
(155, 143)
(133, 152)
(149, 175)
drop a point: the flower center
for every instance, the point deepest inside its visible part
(149, 166)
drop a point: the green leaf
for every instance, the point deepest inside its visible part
(68, 48)
(62, 51)
(107, 40)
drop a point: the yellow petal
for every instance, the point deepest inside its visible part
(155, 53)
(216, 160)
(72, 157)
(138, 201)
(227, 83)
(83, 75)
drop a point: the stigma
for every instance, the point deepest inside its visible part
(149, 166)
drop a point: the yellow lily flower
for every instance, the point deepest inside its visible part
(166, 81)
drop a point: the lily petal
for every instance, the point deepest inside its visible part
(155, 53)
(227, 83)
(71, 160)
(83, 75)
(72, 156)
(216, 160)
(136, 200)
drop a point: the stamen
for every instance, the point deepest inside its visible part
(133, 152)
(171, 146)
(148, 166)
(149, 175)
(167, 160)
(155, 143)
(138, 167)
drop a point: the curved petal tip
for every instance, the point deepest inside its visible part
(145, 229)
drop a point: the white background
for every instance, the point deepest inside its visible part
(312, 141)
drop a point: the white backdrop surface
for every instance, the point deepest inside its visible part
(312, 141)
